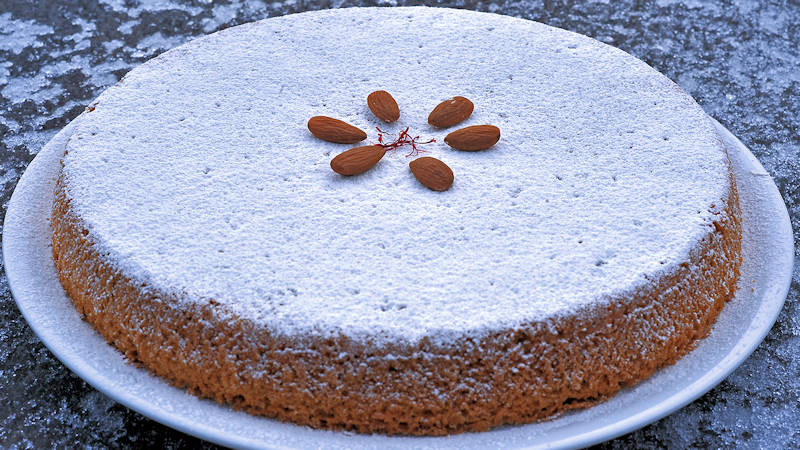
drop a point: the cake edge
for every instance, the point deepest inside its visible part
(513, 376)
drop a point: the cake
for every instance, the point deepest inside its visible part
(198, 226)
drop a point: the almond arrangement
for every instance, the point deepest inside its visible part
(431, 172)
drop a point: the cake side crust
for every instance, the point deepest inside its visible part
(511, 376)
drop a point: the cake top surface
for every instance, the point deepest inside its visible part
(196, 174)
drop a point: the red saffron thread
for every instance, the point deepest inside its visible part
(403, 138)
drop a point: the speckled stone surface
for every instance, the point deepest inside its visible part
(739, 60)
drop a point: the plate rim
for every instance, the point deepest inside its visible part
(657, 411)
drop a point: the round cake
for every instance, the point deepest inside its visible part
(198, 226)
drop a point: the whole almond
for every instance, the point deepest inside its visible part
(450, 112)
(357, 160)
(334, 130)
(382, 104)
(431, 172)
(474, 138)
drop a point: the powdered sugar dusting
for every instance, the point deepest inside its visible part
(211, 184)
(767, 255)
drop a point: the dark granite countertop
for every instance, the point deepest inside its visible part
(739, 59)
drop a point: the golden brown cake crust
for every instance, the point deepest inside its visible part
(512, 376)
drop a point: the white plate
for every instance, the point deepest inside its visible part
(766, 274)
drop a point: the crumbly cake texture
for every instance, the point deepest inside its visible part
(198, 226)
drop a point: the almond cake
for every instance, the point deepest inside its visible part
(198, 226)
